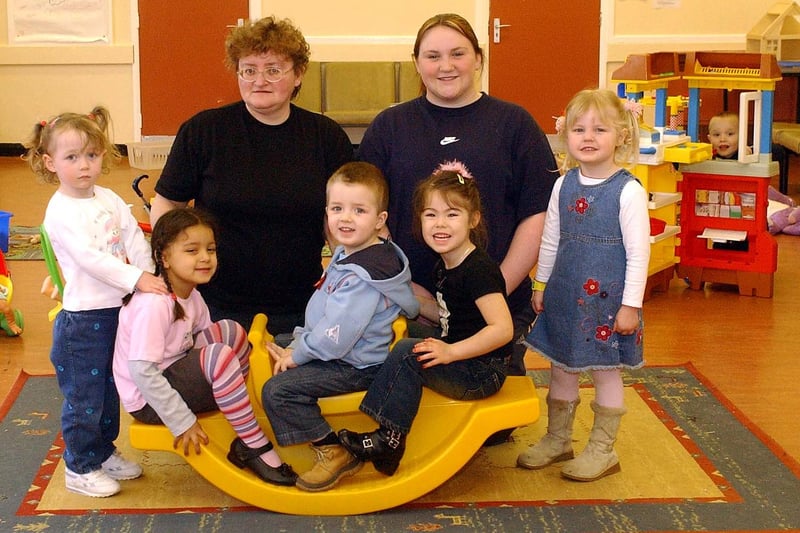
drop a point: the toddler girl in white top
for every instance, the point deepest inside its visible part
(103, 256)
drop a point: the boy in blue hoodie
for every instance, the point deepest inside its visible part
(348, 324)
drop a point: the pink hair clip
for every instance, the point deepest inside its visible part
(43, 123)
(560, 120)
(458, 167)
(633, 107)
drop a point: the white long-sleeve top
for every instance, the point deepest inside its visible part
(99, 246)
(634, 220)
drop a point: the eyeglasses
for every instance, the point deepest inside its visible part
(270, 74)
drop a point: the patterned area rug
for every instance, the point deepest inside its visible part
(23, 244)
(689, 462)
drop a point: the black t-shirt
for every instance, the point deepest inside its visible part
(458, 288)
(265, 185)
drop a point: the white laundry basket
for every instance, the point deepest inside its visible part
(148, 155)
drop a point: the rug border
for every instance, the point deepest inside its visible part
(703, 461)
(41, 481)
(730, 495)
(777, 450)
(13, 393)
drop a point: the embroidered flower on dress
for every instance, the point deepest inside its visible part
(603, 333)
(592, 286)
(581, 205)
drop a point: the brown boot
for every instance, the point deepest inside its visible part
(598, 459)
(556, 445)
(332, 464)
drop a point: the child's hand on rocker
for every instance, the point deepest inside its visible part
(282, 356)
(433, 352)
(627, 320)
(192, 437)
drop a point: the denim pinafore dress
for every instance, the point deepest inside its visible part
(584, 292)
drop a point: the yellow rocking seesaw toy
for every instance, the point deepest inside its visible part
(445, 435)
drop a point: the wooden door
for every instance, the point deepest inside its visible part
(181, 59)
(549, 51)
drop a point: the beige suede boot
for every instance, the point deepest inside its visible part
(598, 459)
(556, 445)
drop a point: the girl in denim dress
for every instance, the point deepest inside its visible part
(590, 282)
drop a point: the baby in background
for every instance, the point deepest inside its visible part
(723, 134)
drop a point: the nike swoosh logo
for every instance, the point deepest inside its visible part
(448, 140)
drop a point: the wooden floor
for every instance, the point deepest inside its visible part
(743, 345)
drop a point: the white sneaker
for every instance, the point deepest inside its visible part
(96, 483)
(119, 468)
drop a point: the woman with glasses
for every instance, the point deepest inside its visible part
(259, 166)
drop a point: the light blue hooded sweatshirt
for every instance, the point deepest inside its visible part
(349, 317)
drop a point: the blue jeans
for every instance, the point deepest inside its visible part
(82, 353)
(393, 398)
(290, 398)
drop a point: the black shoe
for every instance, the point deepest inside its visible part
(242, 456)
(383, 447)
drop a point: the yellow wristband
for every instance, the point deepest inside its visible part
(539, 285)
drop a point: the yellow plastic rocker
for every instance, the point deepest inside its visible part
(446, 434)
(52, 270)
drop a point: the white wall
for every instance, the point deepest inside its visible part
(364, 30)
(39, 81)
